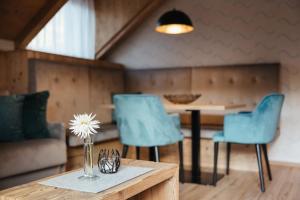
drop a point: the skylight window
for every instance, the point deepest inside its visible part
(70, 32)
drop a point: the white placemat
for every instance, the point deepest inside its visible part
(104, 182)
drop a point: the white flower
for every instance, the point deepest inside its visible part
(84, 125)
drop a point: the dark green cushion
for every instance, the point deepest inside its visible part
(34, 115)
(11, 126)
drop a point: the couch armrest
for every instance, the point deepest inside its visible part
(57, 131)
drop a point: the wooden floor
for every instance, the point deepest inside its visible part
(245, 185)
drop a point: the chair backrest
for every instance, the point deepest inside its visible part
(267, 115)
(142, 121)
(113, 118)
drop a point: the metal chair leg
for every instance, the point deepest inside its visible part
(215, 173)
(151, 154)
(156, 152)
(137, 150)
(228, 157)
(124, 151)
(260, 168)
(264, 147)
(181, 166)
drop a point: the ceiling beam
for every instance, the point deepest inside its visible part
(38, 22)
(133, 23)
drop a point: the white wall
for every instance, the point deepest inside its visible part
(230, 32)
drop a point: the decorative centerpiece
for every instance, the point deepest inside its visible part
(83, 126)
(182, 98)
(109, 161)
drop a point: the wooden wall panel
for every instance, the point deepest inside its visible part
(18, 72)
(72, 60)
(3, 73)
(103, 83)
(68, 86)
(243, 84)
(76, 85)
(7, 45)
(75, 88)
(112, 16)
(13, 72)
(160, 81)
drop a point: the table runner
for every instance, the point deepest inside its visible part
(104, 182)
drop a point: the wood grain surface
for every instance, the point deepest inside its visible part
(161, 183)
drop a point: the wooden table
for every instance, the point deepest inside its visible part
(159, 184)
(196, 130)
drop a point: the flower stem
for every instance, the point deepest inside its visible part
(88, 157)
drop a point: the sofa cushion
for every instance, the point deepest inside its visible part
(12, 181)
(30, 155)
(11, 125)
(34, 115)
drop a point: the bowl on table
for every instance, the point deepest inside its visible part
(181, 98)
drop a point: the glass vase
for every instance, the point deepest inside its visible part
(88, 146)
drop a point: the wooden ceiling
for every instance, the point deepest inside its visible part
(21, 20)
(118, 19)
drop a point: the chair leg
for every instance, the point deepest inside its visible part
(215, 173)
(260, 168)
(124, 151)
(156, 152)
(264, 147)
(151, 154)
(137, 150)
(181, 166)
(228, 157)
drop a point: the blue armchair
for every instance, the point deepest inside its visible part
(143, 122)
(257, 127)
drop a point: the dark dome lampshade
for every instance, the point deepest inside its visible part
(174, 22)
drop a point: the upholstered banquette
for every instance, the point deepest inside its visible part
(236, 84)
(244, 84)
(85, 88)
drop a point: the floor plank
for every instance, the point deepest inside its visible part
(245, 185)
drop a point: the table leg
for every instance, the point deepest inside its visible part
(196, 167)
(196, 176)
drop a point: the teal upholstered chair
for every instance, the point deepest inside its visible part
(257, 127)
(143, 122)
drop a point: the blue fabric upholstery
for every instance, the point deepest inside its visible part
(257, 127)
(176, 120)
(142, 121)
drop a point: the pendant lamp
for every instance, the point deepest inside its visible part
(174, 22)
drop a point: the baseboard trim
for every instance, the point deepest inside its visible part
(284, 163)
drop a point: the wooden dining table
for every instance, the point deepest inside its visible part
(195, 110)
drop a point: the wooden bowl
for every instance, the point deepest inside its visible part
(182, 98)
